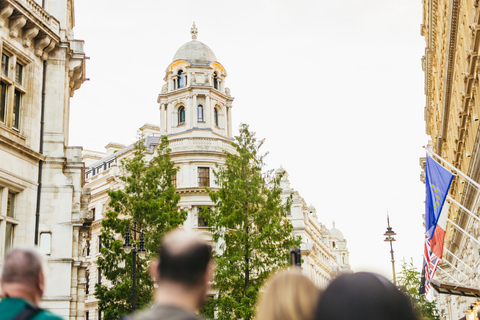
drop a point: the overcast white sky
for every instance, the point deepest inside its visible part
(335, 88)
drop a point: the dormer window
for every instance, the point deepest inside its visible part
(215, 80)
(200, 113)
(215, 116)
(181, 115)
(181, 79)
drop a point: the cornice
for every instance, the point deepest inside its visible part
(19, 148)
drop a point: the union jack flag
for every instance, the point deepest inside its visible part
(430, 266)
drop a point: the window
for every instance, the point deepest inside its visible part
(181, 115)
(93, 214)
(46, 242)
(174, 179)
(99, 315)
(87, 285)
(200, 113)
(11, 205)
(9, 236)
(99, 275)
(204, 177)
(181, 79)
(18, 73)
(11, 91)
(16, 109)
(215, 80)
(202, 222)
(215, 116)
(87, 314)
(5, 60)
(3, 101)
(99, 244)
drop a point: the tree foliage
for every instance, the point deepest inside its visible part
(148, 197)
(249, 224)
(409, 282)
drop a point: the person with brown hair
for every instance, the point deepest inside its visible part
(289, 295)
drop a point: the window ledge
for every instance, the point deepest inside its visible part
(181, 124)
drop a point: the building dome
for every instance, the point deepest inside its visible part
(337, 234)
(195, 51)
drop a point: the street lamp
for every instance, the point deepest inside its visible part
(128, 247)
(389, 237)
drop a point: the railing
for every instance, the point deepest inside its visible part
(41, 14)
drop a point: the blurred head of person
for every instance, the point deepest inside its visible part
(289, 295)
(364, 296)
(184, 270)
(22, 275)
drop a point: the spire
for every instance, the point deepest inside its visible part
(333, 223)
(194, 31)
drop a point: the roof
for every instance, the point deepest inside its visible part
(337, 234)
(195, 52)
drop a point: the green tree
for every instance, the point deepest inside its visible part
(148, 197)
(250, 224)
(409, 282)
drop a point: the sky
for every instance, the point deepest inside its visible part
(335, 88)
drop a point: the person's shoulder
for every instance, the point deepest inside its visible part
(47, 315)
(160, 312)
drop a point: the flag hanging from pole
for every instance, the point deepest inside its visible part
(437, 182)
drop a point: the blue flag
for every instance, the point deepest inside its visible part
(437, 183)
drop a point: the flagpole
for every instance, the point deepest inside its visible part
(455, 169)
(463, 208)
(451, 265)
(438, 267)
(466, 265)
(465, 232)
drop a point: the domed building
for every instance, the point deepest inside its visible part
(340, 250)
(324, 252)
(195, 114)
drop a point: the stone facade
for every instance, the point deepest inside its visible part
(42, 200)
(451, 65)
(196, 115)
(324, 252)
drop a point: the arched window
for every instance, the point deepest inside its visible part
(215, 80)
(181, 115)
(200, 113)
(181, 79)
(215, 116)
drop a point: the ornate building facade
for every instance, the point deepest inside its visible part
(451, 65)
(42, 200)
(196, 115)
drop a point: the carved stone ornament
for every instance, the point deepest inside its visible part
(5, 13)
(28, 36)
(16, 24)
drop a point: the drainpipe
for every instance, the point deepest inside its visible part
(40, 162)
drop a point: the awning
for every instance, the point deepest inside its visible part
(450, 288)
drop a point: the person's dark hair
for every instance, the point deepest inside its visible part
(186, 267)
(22, 265)
(362, 296)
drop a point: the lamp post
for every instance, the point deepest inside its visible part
(389, 238)
(128, 247)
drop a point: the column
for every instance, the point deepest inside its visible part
(162, 118)
(229, 120)
(168, 117)
(194, 111)
(207, 112)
